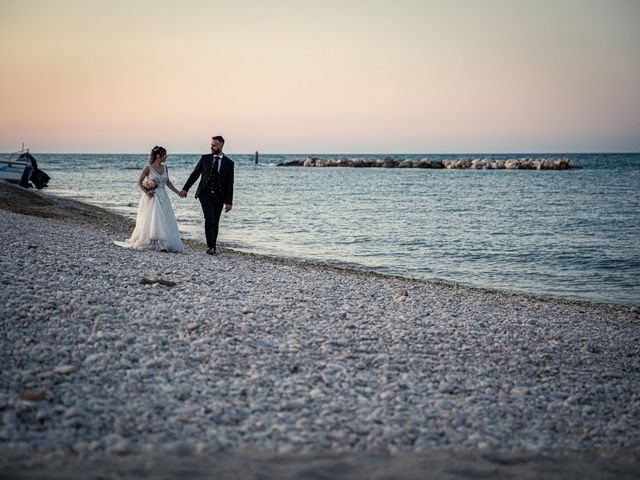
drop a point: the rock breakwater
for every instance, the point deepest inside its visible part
(487, 163)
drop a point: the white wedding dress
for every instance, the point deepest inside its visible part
(156, 226)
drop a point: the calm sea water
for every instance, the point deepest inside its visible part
(574, 234)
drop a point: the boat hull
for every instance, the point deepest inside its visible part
(15, 171)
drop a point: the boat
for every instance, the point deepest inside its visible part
(23, 170)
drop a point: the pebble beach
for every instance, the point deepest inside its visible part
(116, 358)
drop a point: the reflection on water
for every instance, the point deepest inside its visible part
(569, 233)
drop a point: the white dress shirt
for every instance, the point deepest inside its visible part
(219, 158)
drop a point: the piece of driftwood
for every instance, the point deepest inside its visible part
(161, 281)
(32, 395)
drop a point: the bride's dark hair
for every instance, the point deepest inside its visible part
(156, 152)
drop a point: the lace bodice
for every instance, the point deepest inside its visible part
(160, 180)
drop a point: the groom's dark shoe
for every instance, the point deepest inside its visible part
(211, 251)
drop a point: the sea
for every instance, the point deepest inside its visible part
(573, 233)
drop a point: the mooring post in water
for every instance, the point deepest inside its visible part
(257, 158)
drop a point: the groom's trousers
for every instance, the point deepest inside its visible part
(212, 208)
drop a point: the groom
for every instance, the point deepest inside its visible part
(215, 189)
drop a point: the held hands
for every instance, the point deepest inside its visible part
(149, 193)
(182, 194)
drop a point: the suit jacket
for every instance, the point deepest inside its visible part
(204, 170)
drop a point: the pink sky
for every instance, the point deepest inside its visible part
(334, 76)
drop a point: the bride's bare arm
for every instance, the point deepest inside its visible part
(169, 184)
(171, 187)
(143, 175)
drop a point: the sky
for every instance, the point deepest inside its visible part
(324, 76)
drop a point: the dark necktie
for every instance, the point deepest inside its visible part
(215, 177)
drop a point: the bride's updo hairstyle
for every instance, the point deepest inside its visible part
(155, 153)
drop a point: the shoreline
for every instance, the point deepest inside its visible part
(96, 213)
(317, 368)
(440, 283)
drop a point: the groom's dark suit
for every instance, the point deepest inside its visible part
(214, 191)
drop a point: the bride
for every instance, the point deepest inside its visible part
(156, 226)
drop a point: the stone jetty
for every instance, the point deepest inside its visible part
(487, 163)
